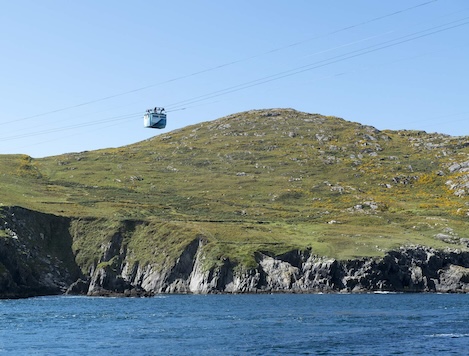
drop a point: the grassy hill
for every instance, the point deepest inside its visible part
(263, 180)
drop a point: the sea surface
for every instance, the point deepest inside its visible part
(276, 324)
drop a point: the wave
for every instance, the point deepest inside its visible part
(450, 335)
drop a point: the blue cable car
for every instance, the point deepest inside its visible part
(155, 118)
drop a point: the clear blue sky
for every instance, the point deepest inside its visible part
(78, 75)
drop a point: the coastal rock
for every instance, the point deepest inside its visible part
(454, 278)
(79, 287)
(411, 269)
(36, 258)
(36, 255)
(278, 275)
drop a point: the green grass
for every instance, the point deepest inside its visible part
(270, 180)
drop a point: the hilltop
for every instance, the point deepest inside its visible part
(263, 181)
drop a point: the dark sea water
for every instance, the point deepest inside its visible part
(280, 324)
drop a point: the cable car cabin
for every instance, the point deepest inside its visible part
(155, 119)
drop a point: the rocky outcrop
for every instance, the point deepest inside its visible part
(410, 269)
(37, 258)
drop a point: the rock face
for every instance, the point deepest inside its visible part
(36, 255)
(410, 269)
(37, 258)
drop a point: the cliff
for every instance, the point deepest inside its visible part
(409, 269)
(37, 257)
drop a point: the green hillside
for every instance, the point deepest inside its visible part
(264, 180)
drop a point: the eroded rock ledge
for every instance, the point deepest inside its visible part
(36, 258)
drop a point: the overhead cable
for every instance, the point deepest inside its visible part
(325, 62)
(183, 105)
(225, 64)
